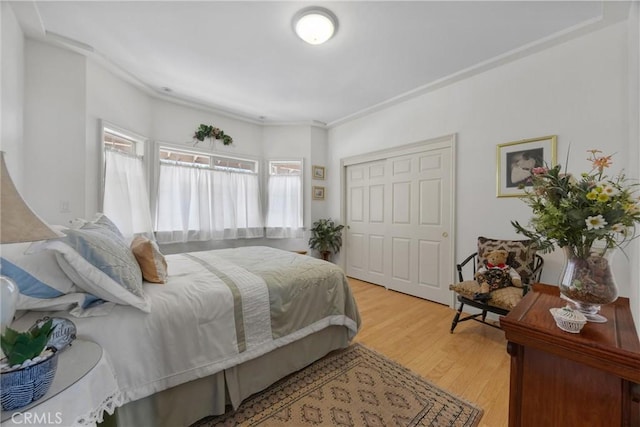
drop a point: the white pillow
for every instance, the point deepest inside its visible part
(101, 263)
(42, 284)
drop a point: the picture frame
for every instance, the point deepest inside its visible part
(317, 192)
(318, 172)
(515, 160)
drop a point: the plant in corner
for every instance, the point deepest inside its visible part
(208, 131)
(28, 367)
(326, 237)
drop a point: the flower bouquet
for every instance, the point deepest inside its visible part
(589, 218)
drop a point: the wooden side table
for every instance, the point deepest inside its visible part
(558, 378)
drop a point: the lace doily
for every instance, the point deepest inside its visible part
(108, 405)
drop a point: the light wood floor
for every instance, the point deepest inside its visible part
(471, 363)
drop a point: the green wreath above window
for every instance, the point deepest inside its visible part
(206, 131)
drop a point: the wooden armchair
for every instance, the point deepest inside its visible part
(522, 258)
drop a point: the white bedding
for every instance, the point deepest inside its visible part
(214, 313)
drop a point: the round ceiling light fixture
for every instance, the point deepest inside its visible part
(315, 25)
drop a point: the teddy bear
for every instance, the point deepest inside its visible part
(495, 274)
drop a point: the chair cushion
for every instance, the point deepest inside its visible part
(521, 255)
(506, 298)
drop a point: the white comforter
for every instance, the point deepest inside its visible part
(214, 313)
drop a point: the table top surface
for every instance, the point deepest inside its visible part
(530, 323)
(74, 362)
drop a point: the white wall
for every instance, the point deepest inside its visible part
(634, 143)
(176, 124)
(577, 90)
(12, 104)
(319, 208)
(54, 132)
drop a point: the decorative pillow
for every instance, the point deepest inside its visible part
(521, 255)
(151, 261)
(98, 261)
(100, 220)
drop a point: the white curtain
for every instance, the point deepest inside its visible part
(126, 200)
(203, 204)
(284, 215)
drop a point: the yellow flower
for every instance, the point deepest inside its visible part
(592, 195)
(603, 197)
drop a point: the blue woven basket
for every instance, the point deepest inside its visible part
(26, 385)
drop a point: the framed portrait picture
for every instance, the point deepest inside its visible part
(318, 192)
(516, 160)
(318, 172)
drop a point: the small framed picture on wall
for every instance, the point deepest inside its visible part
(516, 160)
(318, 192)
(318, 172)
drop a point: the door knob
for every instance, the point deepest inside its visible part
(445, 234)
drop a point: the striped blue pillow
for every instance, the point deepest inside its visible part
(42, 283)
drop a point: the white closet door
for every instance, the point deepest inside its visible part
(399, 227)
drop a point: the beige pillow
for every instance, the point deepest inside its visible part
(151, 261)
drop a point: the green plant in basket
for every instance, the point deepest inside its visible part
(21, 346)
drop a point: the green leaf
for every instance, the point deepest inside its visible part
(20, 346)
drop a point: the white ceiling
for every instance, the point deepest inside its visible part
(243, 58)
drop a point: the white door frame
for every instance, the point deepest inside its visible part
(446, 141)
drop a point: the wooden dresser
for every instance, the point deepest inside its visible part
(563, 379)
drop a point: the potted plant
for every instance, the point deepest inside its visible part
(326, 237)
(28, 368)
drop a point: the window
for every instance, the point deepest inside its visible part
(202, 196)
(117, 141)
(284, 204)
(125, 197)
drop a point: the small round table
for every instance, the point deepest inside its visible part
(79, 366)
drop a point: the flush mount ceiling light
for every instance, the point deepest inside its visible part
(315, 25)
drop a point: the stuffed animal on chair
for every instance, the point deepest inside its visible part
(495, 274)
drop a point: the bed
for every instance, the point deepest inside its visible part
(226, 324)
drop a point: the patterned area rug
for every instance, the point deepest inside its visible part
(352, 387)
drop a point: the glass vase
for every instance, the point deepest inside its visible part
(588, 281)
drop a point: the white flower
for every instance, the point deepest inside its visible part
(609, 189)
(595, 222)
(619, 228)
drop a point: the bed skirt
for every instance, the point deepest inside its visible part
(187, 403)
